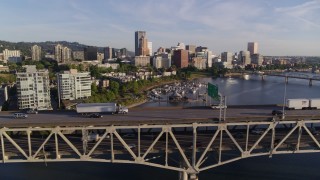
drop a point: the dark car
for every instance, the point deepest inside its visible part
(95, 116)
(277, 112)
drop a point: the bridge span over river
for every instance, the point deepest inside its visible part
(188, 141)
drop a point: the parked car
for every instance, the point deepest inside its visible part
(32, 111)
(277, 112)
(20, 115)
(95, 115)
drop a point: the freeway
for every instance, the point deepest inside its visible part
(158, 115)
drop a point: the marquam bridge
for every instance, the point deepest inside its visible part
(286, 75)
(186, 145)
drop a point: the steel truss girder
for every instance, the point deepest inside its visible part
(192, 163)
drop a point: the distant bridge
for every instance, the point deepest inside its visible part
(292, 75)
(187, 148)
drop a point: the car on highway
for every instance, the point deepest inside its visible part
(20, 115)
(257, 131)
(95, 115)
(218, 106)
(277, 112)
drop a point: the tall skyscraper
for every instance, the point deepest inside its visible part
(90, 53)
(253, 48)
(137, 37)
(33, 89)
(143, 46)
(62, 54)
(108, 53)
(36, 53)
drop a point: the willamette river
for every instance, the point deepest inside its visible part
(238, 91)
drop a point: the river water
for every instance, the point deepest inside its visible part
(238, 91)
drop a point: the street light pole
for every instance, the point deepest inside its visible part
(284, 97)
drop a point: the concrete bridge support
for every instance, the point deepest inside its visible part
(183, 176)
(186, 176)
(310, 82)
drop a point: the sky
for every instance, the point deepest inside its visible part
(280, 27)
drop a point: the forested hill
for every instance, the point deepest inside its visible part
(47, 46)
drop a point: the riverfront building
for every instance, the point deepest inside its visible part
(227, 57)
(257, 59)
(181, 58)
(33, 90)
(73, 85)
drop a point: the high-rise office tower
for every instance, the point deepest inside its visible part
(108, 53)
(253, 48)
(143, 49)
(244, 57)
(137, 37)
(36, 53)
(90, 53)
(33, 89)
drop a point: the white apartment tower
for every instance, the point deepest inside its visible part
(33, 89)
(36, 53)
(62, 54)
(73, 85)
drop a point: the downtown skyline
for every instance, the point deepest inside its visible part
(289, 27)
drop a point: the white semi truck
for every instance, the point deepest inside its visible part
(303, 104)
(89, 108)
(314, 103)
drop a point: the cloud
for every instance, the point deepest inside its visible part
(307, 12)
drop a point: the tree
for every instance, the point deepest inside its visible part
(114, 87)
(135, 87)
(94, 89)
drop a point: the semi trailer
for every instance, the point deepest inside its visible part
(112, 108)
(303, 103)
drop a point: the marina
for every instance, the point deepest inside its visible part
(186, 91)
